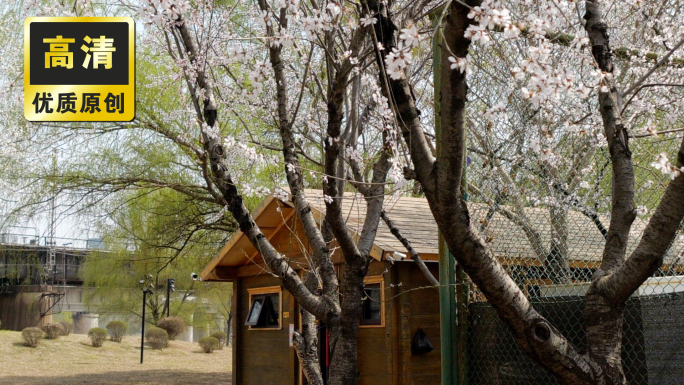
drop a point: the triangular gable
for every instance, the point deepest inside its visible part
(276, 219)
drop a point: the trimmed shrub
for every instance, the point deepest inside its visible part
(117, 330)
(97, 336)
(222, 338)
(208, 344)
(67, 326)
(174, 326)
(53, 331)
(157, 337)
(32, 336)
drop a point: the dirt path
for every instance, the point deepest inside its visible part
(71, 360)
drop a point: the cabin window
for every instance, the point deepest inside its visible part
(373, 307)
(265, 308)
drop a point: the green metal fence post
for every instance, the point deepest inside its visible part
(447, 273)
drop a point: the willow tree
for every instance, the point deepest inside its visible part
(154, 236)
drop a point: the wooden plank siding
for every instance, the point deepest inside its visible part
(419, 305)
(384, 353)
(237, 326)
(263, 356)
(374, 352)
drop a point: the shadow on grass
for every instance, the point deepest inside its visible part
(146, 377)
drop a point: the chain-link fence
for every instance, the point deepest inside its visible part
(548, 228)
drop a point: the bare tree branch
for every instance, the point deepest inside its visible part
(412, 252)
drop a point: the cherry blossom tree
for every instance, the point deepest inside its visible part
(619, 274)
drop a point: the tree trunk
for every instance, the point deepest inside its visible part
(603, 313)
(306, 347)
(344, 333)
(603, 319)
(306, 341)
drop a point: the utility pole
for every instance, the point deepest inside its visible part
(51, 257)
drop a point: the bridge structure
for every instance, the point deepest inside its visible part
(39, 279)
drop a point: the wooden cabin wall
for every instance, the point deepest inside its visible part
(263, 357)
(384, 353)
(417, 307)
(376, 349)
(290, 240)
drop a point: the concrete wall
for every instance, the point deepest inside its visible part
(20, 307)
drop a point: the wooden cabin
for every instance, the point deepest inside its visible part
(262, 349)
(401, 300)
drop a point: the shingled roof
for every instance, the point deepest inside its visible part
(414, 218)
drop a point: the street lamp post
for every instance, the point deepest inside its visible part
(170, 288)
(146, 290)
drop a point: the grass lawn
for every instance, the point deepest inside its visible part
(71, 360)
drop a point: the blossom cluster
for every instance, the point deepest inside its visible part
(162, 12)
(321, 20)
(257, 77)
(490, 15)
(546, 82)
(663, 164)
(399, 59)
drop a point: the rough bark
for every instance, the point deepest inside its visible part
(306, 347)
(343, 335)
(344, 339)
(334, 148)
(399, 93)
(603, 314)
(623, 211)
(305, 342)
(534, 334)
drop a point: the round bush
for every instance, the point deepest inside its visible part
(222, 338)
(157, 337)
(208, 344)
(117, 330)
(174, 326)
(97, 336)
(53, 331)
(67, 326)
(32, 336)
